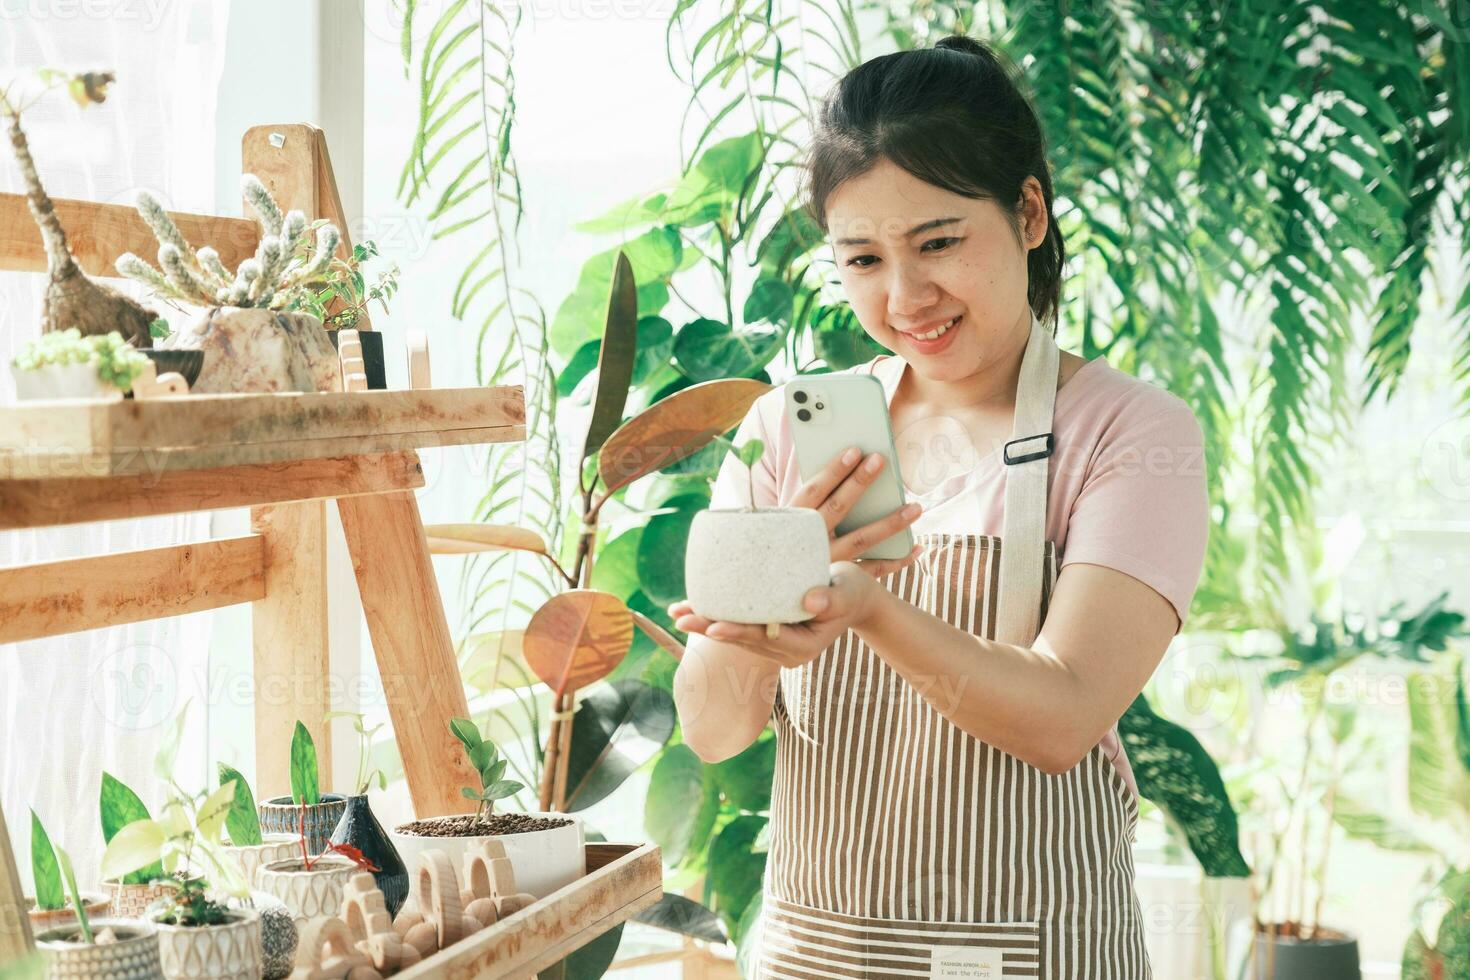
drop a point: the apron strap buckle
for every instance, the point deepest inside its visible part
(1027, 457)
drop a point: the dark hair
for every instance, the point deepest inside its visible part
(953, 115)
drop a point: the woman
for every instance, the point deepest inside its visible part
(951, 798)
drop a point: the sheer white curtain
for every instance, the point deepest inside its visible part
(74, 706)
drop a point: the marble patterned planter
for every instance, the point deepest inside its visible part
(133, 957)
(280, 816)
(308, 894)
(273, 847)
(756, 566)
(230, 951)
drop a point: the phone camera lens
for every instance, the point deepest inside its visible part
(819, 404)
(800, 397)
(804, 415)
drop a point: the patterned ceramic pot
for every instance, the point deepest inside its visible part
(278, 934)
(229, 951)
(97, 904)
(755, 566)
(281, 816)
(133, 957)
(132, 901)
(308, 894)
(274, 847)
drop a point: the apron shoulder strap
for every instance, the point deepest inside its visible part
(1026, 459)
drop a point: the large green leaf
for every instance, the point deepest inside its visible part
(736, 867)
(684, 916)
(1439, 778)
(618, 727)
(44, 870)
(769, 300)
(707, 349)
(1174, 772)
(675, 792)
(653, 256)
(745, 779)
(119, 806)
(661, 549)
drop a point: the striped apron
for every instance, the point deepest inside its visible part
(901, 846)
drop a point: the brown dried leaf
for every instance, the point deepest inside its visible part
(464, 539)
(577, 638)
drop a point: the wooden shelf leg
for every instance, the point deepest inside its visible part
(16, 940)
(292, 656)
(416, 661)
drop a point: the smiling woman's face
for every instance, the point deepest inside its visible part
(901, 285)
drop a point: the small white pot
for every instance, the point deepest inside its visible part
(308, 894)
(229, 951)
(133, 957)
(756, 566)
(61, 381)
(544, 860)
(273, 847)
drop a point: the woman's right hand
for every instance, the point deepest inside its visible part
(835, 490)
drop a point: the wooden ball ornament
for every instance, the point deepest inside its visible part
(365, 913)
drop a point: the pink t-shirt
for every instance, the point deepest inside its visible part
(1126, 482)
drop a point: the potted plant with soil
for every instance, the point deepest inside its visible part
(323, 810)
(546, 850)
(359, 827)
(199, 935)
(252, 335)
(66, 364)
(311, 887)
(50, 906)
(341, 302)
(82, 946)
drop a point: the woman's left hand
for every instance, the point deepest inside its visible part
(846, 603)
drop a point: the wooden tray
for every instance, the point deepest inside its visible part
(97, 438)
(622, 880)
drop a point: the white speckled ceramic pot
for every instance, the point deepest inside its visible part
(755, 566)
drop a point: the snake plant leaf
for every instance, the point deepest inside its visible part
(243, 822)
(118, 807)
(305, 783)
(1174, 771)
(616, 359)
(576, 638)
(44, 870)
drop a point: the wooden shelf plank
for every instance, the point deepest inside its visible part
(621, 881)
(79, 500)
(99, 233)
(96, 438)
(108, 590)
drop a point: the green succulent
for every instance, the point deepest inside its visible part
(117, 362)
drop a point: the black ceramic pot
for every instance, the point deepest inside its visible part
(372, 357)
(1330, 955)
(361, 829)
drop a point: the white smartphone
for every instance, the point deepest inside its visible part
(829, 413)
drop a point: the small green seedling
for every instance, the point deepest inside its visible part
(747, 452)
(485, 757)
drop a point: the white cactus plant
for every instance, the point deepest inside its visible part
(285, 265)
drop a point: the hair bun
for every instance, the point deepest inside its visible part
(959, 42)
